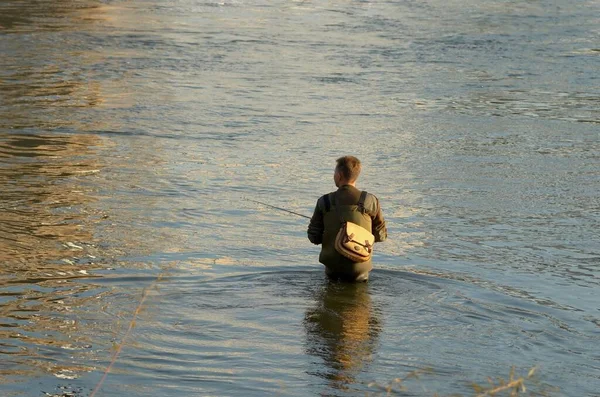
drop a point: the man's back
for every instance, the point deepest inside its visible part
(342, 206)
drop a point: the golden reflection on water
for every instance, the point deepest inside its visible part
(43, 203)
(342, 329)
(46, 243)
(49, 72)
(58, 15)
(46, 158)
(47, 192)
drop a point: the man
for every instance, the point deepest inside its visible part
(343, 205)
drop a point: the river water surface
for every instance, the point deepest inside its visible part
(134, 135)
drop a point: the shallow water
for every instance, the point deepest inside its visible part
(133, 136)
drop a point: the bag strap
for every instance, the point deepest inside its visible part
(327, 202)
(361, 202)
(337, 208)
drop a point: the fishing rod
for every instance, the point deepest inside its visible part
(278, 208)
(291, 212)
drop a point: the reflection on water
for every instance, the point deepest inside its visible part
(38, 15)
(43, 200)
(47, 198)
(46, 75)
(46, 97)
(46, 242)
(342, 329)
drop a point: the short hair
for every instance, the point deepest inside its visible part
(349, 167)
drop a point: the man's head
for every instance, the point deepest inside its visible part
(347, 171)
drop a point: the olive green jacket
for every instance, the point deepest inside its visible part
(325, 224)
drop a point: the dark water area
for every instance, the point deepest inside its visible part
(134, 135)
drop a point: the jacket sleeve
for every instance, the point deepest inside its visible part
(316, 227)
(379, 229)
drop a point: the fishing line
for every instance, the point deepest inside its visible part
(119, 347)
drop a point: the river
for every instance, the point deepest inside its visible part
(135, 135)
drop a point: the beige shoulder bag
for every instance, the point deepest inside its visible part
(354, 241)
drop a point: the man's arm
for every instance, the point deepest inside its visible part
(378, 224)
(316, 227)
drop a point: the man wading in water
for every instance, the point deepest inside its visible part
(344, 205)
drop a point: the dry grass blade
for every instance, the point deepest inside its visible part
(511, 387)
(514, 385)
